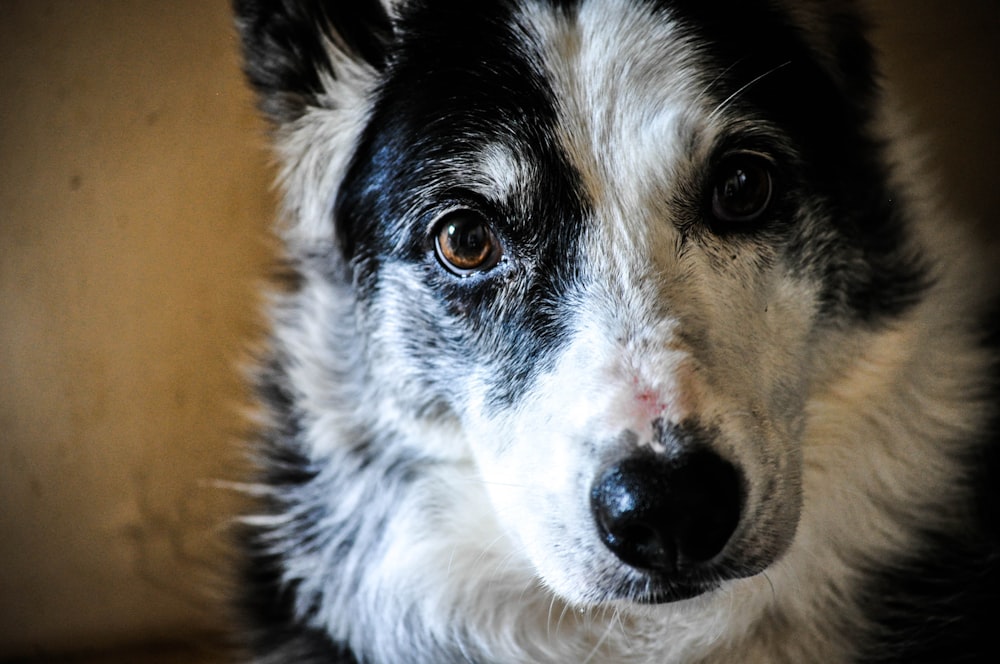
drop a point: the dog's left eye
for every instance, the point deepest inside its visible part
(465, 243)
(742, 188)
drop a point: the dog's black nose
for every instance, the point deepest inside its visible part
(667, 513)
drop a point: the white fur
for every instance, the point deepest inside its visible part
(315, 149)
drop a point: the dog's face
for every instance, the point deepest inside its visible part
(599, 245)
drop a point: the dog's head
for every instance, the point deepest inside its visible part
(608, 247)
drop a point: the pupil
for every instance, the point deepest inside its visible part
(468, 240)
(735, 184)
(741, 189)
(743, 193)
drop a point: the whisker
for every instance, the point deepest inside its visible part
(767, 578)
(604, 636)
(708, 87)
(479, 481)
(562, 616)
(731, 98)
(548, 618)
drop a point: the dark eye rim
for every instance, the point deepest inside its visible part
(722, 169)
(492, 258)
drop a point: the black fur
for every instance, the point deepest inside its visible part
(284, 51)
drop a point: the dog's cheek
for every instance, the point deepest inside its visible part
(444, 365)
(410, 342)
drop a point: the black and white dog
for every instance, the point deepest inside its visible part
(621, 331)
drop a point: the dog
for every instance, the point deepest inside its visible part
(616, 331)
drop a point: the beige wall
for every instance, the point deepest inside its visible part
(133, 211)
(134, 199)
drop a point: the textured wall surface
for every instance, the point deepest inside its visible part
(134, 202)
(134, 206)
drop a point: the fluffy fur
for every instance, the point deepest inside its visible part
(715, 273)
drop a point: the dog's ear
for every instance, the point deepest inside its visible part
(290, 46)
(314, 65)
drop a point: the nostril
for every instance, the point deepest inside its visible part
(663, 513)
(642, 546)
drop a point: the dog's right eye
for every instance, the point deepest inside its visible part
(465, 243)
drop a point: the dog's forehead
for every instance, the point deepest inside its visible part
(500, 72)
(610, 84)
(630, 90)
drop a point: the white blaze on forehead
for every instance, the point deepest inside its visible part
(625, 86)
(632, 113)
(630, 104)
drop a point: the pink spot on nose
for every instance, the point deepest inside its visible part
(649, 403)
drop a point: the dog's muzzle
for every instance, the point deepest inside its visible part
(668, 514)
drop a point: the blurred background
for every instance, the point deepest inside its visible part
(135, 205)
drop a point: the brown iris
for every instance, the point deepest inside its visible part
(465, 243)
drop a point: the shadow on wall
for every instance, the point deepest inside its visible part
(943, 62)
(134, 207)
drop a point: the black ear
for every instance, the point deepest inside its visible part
(287, 46)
